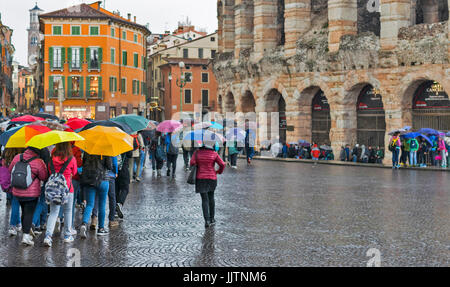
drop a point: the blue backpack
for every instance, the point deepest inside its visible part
(56, 188)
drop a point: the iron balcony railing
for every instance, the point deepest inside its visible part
(76, 95)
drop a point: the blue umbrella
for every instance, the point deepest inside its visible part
(236, 134)
(216, 126)
(448, 134)
(202, 137)
(428, 131)
(411, 135)
(4, 138)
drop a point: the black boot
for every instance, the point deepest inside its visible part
(207, 223)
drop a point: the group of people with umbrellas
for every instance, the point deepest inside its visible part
(49, 167)
(425, 147)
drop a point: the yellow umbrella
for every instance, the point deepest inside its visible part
(105, 141)
(24, 134)
(54, 137)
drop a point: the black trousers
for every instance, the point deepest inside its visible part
(172, 162)
(208, 205)
(28, 208)
(122, 191)
(187, 157)
(233, 159)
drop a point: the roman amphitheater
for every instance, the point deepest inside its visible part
(338, 72)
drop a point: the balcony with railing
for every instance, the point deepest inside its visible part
(75, 95)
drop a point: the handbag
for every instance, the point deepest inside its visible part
(193, 172)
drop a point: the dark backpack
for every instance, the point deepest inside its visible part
(56, 188)
(21, 175)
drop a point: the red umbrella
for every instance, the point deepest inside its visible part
(27, 119)
(41, 129)
(75, 123)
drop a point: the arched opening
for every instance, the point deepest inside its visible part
(248, 104)
(368, 17)
(275, 103)
(229, 105)
(431, 107)
(429, 11)
(371, 122)
(219, 104)
(320, 119)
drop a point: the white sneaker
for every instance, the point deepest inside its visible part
(12, 231)
(48, 242)
(73, 232)
(27, 239)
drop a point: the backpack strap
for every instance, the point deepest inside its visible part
(65, 165)
(52, 167)
(29, 160)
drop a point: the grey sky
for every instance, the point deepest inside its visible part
(160, 14)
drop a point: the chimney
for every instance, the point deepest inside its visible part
(129, 16)
(98, 4)
(134, 19)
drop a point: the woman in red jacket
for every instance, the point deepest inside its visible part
(206, 180)
(62, 155)
(28, 197)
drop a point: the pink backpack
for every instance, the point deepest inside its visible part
(5, 178)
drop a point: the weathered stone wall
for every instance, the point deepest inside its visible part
(396, 63)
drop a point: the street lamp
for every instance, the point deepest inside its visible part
(181, 83)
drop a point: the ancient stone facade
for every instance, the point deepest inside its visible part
(334, 47)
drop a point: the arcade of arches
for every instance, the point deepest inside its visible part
(363, 115)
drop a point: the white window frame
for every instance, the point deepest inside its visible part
(111, 58)
(208, 78)
(135, 36)
(79, 58)
(202, 96)
(127, 58)
(184, 96)
(53, 31)
(75, 26)
(62, 85)
(124, 90)
(72, 76)
(91, 26)
(192, 77)
(134, 54)
(55, 60)
(111, 30)
(126, 34)
(98, 60)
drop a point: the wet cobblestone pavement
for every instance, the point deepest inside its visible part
(268, 214)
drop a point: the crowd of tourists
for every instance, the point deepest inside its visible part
(33, 177)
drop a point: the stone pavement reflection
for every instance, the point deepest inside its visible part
(268, 214)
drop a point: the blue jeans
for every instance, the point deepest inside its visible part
(40, 213)
(395, 155)
(76, 193)
(141, 162)
(15, 212)
(54, 214)
(102, 192)
(152, 158)
(413, 158)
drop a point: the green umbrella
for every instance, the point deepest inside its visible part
(135, 122)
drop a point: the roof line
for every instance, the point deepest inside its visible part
(186, 42)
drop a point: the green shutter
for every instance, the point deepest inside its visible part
(81, 57)
(110, 84)
(124, 58)
(88, 58)
(63, 79)
(145, 64)
(50, 87)
(69, 87)
(137, 86)
(50, 56)
(135, 60)
(63, 57)
(115, 84)
(88, 86)
(133, 87)
(100, 55)
(69, 57)
(81, 87)
(100, 87)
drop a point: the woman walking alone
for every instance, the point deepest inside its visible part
(62, 159)
(28, 197)
(206, 180)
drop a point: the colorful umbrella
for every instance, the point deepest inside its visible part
(24, 134)
(169, 126)
(52, 125)
(4, 137)
(47, 116)
(202, 138)
(54, 137)
(135, 122)
(216, 126)
(122, 126)
(428, 131)
(105, 141)
(152, 125)
(236, 134)
(26, 119)
(76, 123)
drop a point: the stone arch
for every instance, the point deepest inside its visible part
(229, 103)
(273, 126)
(247, 101)
(274, 85)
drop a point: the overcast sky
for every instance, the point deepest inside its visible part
(160, 14)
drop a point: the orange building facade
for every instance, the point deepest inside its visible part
(94, 63)
(200, 88)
